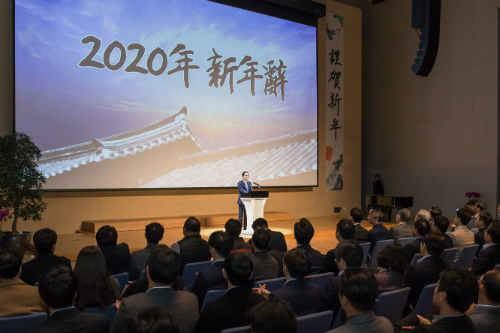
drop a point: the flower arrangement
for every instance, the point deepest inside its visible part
(472, 195)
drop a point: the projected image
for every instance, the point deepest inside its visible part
(165, 94)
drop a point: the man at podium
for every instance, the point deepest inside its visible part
(244, 186)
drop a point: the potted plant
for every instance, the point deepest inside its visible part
(21, 187)
(472, 195)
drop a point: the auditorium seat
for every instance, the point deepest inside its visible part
(319, 279)
(379, 246)
(243, 329)
(109, 312)
(391, 304)
(474, 230)
(449, 255)
(271, 284)
(19, 324)
(415, 258)
(404, 241)
(190, 270)
(424, 305)
(122, 278)
(366, 250)
(212, 295)
(467, 256)
(315, 323)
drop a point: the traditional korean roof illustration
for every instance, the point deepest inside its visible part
(121, 145)
(268, 159)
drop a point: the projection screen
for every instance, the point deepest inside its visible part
(165, 94)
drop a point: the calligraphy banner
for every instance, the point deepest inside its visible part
(334, 166)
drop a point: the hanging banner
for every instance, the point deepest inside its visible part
(334, 102)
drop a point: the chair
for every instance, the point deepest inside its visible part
(243, 329)
(315, 323)
(109, 312)
(449, 255)
(467, 256)
(271, 284)
(379, 246)
(391, 304)
(474, 230)
(122, 278)
(424, 305)
(212, 295)
(366, 250)
(190, 270)
(404, 241)
(143, 274)
(415, 258)
(18, 324)
(319, 279)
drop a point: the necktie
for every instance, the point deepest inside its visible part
(246, 186)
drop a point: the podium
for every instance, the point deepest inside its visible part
(254, 207)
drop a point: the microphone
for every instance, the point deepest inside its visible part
(257, 185)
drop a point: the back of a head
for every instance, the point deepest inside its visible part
(423, 214)
(461, 288)
(494, 232)
(90, 265)
(486, 218)
(377, 214)
(404, 215)
(272, 316)
(192, 224)
(435, 243)
(392, 256)
(491, 285)
(10, 264)
(464, 216)
(239, 268)
(356, 214)
(298, 263)
(482, 206)
(303, 231)
(44, 240)
(106, 236)
(346, 229)
(261, 239)
(360, 287)
(153, 320)
(58, 287)
(221, 242)
(233, 227)
(351, 252)
(442, 223)
(435, 211)
(260, 223)
(422, 226)
(154, 232)
(163, 264)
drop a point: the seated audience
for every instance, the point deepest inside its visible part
(441, 225)
(434, 212)
(162, 267)
(391, 275)
(272, 316)
(427, 269)
(483, 221)
(229, 310)
(117, 256)
(16, 297)
(360, 233)
(278, 242)
(154, 234)
(489, 256)
(45, 242)
(304, 232)
(220, 244)
(486, 313)
(423, 214)
(420, 229)
(402, 230)
(58, 287)
(96, 288)
(233, 227)
(379, 231)
(478, 208)
(153, 320)
(192, 248)
(453, 296)
(264, 266)
(345, 231)
(349, 255)
(461, 236)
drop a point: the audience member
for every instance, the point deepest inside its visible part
(192, 248)
(478, 208)
(483, 221)
(420, 229)
(117, 256)
(58, 287)
(45, 242)
(154, 320)
(461, 236)
(304, 232)
(434, 212)
(272, 316)
(486, 313)
(358, 292)
(154, 234)
(162, 267)
(96, 288)
(379, 231)
(345, 231)
(489, 256)
(391, 276)
(360, 233)
(233, 227)
(264, 266)
(16, 297)
(427, 269)
(278, 242)
(229, 310)
(378, 188)
(441, 225)
(423, 214)
(402, 230)
(454, 294)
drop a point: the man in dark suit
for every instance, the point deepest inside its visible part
(117, 256)
(427, 269)
(379, 231)
(345, 231)
(233, 227)
(453, 296)
(278, 242)
(244, 187)
(489, 256)
(402, 229)
(162, 267)
(264, 266)
(486, 313)
(482, 223)
(154, 234)
(441, 225)
(58, 287)
(272, 316)
(378, 188)
(360, 233)
(220, 244)
(229, 310)
(420, 229)
(45, 242)
(304, 232)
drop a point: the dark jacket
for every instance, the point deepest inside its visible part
(264, 266)
(411, 249)
(278, 242)
(361, 235)
(330, 264)
(378, 232)
(449, 241)
(461, 324)
(479, 239)
(117, 258)
(72, 320)
(421, 274)
(485, 319)
(486, 260)
(304, 297)
(208, 279)
(138, 261)
(378, 188)
(317, 258)
(141, 286)
(193, 249)
(330, 295)
(279, 256)
(34, 269)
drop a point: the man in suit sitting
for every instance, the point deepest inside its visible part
(162, 267)
(461, 236)
(278, 242)
(154, 234)
(304, 232)
(360, 233)
(402, 229)
(479, 207)
(486, 313)
(358, 292)
(233, 227)
(379, 231)
(423, 214)
(434, 212)
(264, 266)
(483, 221)
(441, 225)
(58, 287)
(244, 187)
(454, 294)
(420, 229)
(273, 316)
(117, 256)
(345, 231)
(45, 242)
(229, 310)
(489, 256)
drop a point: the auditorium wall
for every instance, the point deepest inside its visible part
(66, 210)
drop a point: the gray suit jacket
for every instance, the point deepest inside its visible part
(182, 305)
(264, 266)
(400, 231)
(365, 323)
(138, 262)
(461, 238)
(486, 319)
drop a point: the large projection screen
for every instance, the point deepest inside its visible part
(133, 94)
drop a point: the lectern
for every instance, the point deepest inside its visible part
(254, 207)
